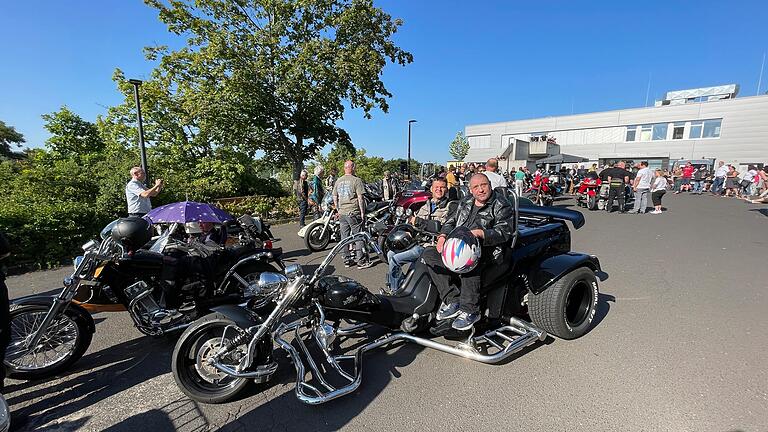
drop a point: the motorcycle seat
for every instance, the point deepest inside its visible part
(376, 205)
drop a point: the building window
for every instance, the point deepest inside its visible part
(660, 131)
(711, 129)
(482, 141)
(695, 131)
(678, 132)
(646, 132)
(631, 133)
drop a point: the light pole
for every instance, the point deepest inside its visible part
(142, 150)
(409, 147)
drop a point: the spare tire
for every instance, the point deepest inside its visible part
(567, 308)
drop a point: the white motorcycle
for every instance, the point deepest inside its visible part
(320, 232)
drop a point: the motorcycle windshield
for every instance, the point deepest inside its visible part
(107, 231)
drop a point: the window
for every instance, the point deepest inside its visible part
(678, 131)
(482, 141)
(645, 132)
(631, 133)
(695, 131)
(711, 129)
(660, 131)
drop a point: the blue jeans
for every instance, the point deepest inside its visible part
(697, 186)
(396, 261)
(717, 185)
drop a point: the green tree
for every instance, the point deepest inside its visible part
(279, 71)
(9, 136)
(459, 147)
(71, 135)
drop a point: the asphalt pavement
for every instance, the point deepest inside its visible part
(679, 344)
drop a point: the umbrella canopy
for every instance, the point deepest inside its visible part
(187, 211)
(561, 159)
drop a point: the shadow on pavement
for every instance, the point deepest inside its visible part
(603, 307)
(763, 211)
(179, 415)
(286, 412)
(98, 376)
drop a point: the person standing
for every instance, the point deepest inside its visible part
(451, 178)
(658, 189)
(137, 195)
(5, 319)
(388, 188)
(302, 195)
(316, 191)
(348, 198)
(699, 176)
(617, 178)
(642, 187)
(520, 181)
(331, 179)
(720, 173)
(491, 171)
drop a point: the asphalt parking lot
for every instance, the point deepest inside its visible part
(680, 344)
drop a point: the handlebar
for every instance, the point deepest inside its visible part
(361, 236)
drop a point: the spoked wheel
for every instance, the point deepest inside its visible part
(567, 308)
(193, 374)
(64, 342)
(315, 239)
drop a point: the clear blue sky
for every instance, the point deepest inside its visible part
(474, 62)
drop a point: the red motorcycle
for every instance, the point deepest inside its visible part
(588, 193)
(541, 191)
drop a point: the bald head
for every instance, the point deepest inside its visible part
(492, 165)
(349, 167)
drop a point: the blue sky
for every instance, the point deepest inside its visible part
(474, 62)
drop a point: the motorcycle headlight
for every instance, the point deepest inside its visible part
(399, 211)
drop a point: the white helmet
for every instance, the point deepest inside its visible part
(461, 251)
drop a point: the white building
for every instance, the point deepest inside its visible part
(689, 124)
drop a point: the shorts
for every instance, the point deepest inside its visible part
(656, 197)
(686, 181)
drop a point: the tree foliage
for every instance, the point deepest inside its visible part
(279, 71)
(9, 137)
(71, 135)
(459, 147)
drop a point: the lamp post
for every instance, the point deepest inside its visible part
(409, 147)
(142, 150)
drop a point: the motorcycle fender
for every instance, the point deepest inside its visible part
(307, 227)
(47, 301)
(551, 269)
(238, 314)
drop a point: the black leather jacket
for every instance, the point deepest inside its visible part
(495, 217)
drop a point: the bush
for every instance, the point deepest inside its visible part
(272, 208)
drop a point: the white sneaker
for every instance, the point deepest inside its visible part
(655, 212)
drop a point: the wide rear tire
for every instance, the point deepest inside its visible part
(567, 308)
(66, 340)
(315, 240)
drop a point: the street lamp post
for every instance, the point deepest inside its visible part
(409, 147)
(142, 150)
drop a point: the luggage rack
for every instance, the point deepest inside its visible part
(491, 347)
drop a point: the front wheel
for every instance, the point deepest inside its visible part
(64, 342)
(315, 239)
(566, 309)
(592, 202)
(193, 374)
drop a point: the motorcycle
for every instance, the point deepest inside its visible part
(5, 416)
(588, 193)
(163, 288)
(540, 192)
(538, 279)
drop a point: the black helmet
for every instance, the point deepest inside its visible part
(132, 232)
(401, 238)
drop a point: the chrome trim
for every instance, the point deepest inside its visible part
(261, 370)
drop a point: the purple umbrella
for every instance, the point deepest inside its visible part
(187, 211)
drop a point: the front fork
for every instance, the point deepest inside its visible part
(59, 305)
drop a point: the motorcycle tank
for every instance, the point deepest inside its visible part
(344, 293)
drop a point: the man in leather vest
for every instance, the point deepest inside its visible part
(437, 209)
(489, 216)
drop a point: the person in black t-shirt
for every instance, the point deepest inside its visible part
(617, 177)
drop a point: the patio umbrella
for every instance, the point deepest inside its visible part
(187, 211)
